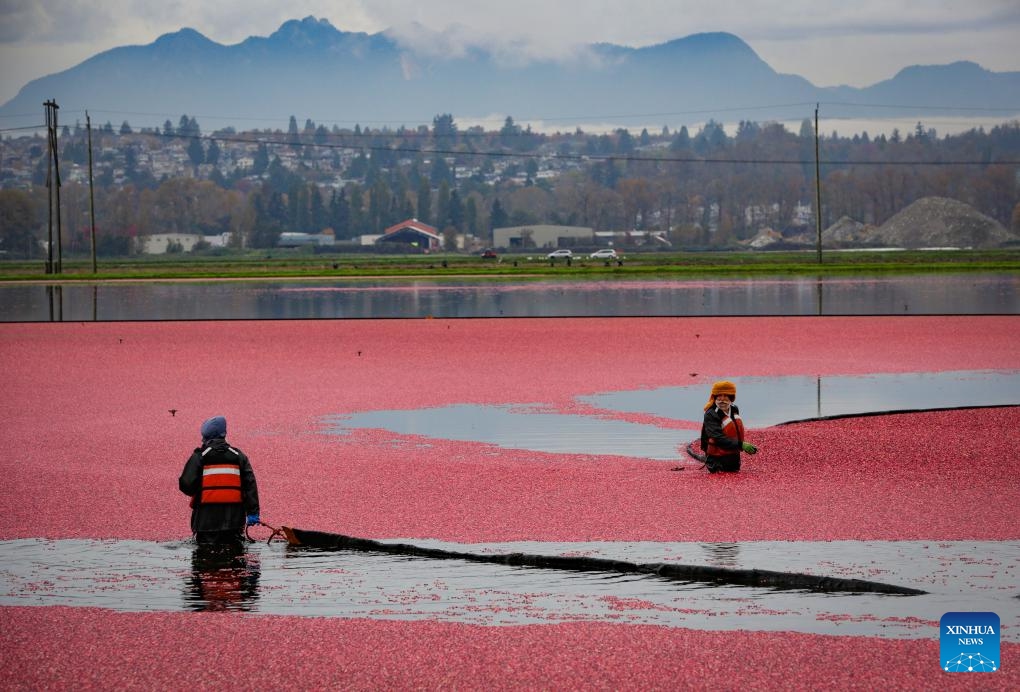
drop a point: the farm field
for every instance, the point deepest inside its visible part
(519, 264)
(100, 417)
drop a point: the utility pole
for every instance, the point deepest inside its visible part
(53, 183)
(92, 195)
(818, 191)
(49, 191)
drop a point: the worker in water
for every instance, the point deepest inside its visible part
(221, 483)
(722, 433)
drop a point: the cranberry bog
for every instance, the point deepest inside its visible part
(98, 419)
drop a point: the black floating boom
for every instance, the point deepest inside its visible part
(676, 572)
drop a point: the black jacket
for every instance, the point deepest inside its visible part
(712, 427)
(218, 517)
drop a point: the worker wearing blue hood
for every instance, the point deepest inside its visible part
(221, 483)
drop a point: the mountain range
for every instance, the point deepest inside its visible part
(310, 69)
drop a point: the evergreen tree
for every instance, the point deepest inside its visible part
(444, 131)
(359, 167)
(456, 212)
(443, 206)
(359, 219)
(75, 151)
(531, 169)
(711, 139)
(681, 141)
(340, 214)
(130, 161)
(471, 224)
(280, 179)
(379, 205)
(260, 162)
(297, 208)
(440, 172)
(509, 134)
(424, 201)
(196, 152)
(317, 210)
(624, 142)
(267, 226)
(212, 154)
(498, 218)
(277, 207)
(747, 131)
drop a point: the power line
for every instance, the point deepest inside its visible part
(972, 109)
(585, 157)
(26, 127)
(590, 117)
(519, 119)
(256, 139)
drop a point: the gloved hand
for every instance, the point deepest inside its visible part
(252, 519)
(749, 448)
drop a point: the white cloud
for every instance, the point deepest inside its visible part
(49, 21)
(20, 18)
(829, 43)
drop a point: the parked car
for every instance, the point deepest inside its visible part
(489, 253)
(604, 253)
(559, 253)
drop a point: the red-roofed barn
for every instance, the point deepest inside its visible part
(413, 233)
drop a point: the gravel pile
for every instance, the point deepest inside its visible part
(942, 222)
(847, 231)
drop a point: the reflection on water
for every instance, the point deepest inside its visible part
(279, 580)
(764, 401)
(722, 554)
(521, 427)
(224, 577)
(958, 294)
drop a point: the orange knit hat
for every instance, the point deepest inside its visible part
(722, 387)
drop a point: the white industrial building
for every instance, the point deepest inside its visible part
(541, 236)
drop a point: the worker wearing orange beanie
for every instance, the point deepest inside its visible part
(722, 433)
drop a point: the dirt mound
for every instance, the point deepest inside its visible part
(941, 222)
(847, 231)
(764, 238)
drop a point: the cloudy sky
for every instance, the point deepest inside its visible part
(830, 43)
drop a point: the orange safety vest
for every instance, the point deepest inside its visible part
(732, 426)
(221, 483)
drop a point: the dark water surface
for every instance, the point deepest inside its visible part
(955, 294)
(281, 580)
(764, 401)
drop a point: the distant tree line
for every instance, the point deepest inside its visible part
(707, 189)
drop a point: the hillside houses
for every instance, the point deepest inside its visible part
(662, 190)
(121, 159)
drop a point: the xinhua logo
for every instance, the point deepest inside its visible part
(969, 642)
